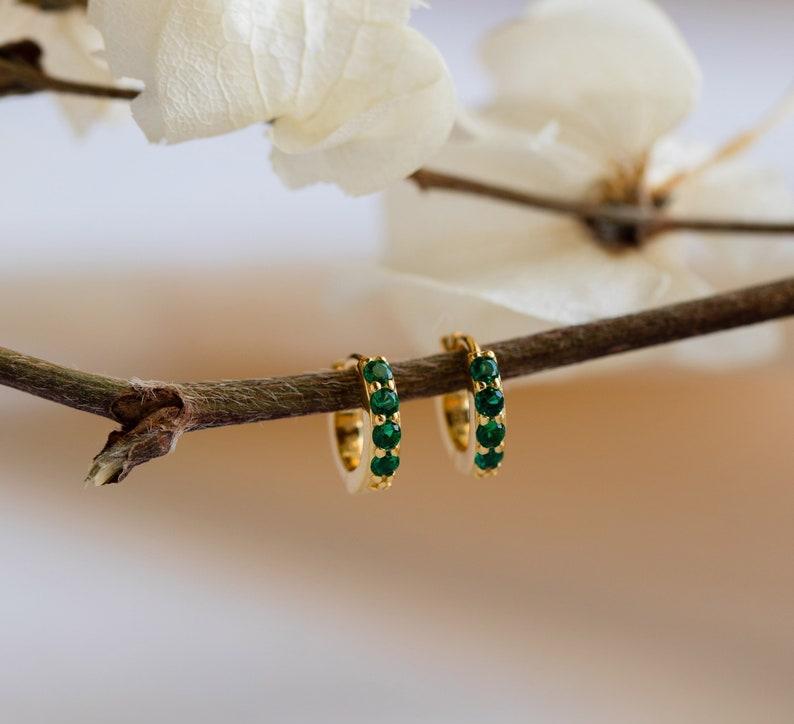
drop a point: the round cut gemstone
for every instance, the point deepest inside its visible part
(386, 466)
(490, 402)
(489, 460)
(484, 369)
(384, 402)
(387, 436)
(377, 370)
(491, 434)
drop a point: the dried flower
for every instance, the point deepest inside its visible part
(585, 95)
(353, 95)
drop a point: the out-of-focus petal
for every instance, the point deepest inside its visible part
(537, 264)
(615, 74)
(484, 149)
(70, 48)
(741, 191)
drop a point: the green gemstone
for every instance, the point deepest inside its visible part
(377, 370)
(491, 434)
(489, 460)
(387, 436)
(484, 369)
(384, 402)
(386, 466)
(490, 402)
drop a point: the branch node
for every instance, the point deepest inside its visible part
(17, 59)
(156, 435)
(153, 416)
(144, 399)
(421, 180)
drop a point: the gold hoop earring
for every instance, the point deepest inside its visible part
(473, 420)
(366, 440)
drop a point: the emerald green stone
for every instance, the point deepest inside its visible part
(491, 434)
(386, 466)
(489, 460)
(484, 369)
(387, 436)
(489, 402)
(384, 402)
(377, 370)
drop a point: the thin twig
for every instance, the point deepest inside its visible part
(37, 80)
(55, 5)
(153, 415)
(89, 89)
(620, 217)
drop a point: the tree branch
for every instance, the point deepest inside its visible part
(153, 415)
(609, 222)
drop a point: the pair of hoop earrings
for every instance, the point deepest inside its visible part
(367, 439)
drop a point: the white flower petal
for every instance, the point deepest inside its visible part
(423, 311)
(487, 151)
(615, 74)
(537, 264)
(673, 156)
(737, 190)
(730, 350)
(387, 141)
(484, 150)
(586, 89)
(354, 95)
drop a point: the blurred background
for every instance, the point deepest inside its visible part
(630, 564)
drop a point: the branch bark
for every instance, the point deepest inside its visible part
(153, 415)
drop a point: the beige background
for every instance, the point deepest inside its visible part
(632, 564)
